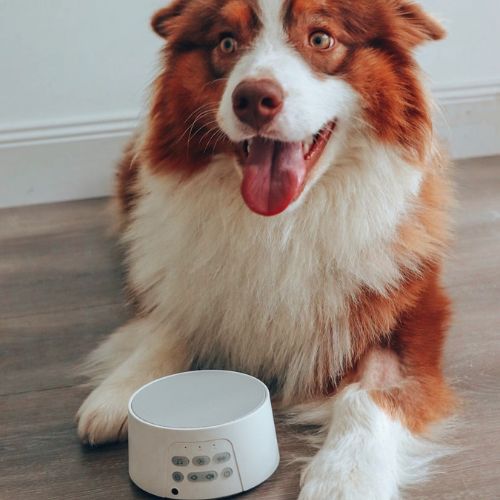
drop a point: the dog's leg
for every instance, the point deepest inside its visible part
(376, 425)
(102, 417)
(115, 350)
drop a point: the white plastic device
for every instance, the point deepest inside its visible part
(201, 435)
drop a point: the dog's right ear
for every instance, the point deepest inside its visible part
(164, 20)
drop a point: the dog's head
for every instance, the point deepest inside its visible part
(278, 84)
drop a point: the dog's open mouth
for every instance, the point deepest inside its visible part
(275, 173)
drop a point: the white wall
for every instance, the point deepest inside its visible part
(464, 71)
(74, 75)
(469, 55)
(67, 60)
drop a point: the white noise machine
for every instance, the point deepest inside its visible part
(201, 435)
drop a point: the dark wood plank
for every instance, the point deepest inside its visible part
(60, 294)
(56, 342)
(57, 258)
(473, 350)
(40, 456)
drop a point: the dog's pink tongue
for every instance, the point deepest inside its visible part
(273, 176)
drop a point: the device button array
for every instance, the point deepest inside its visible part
(201, 461)
(195, 477)
(180, 461)
(222, 458)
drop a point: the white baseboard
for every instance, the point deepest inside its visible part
(61, 161)
(470, 118)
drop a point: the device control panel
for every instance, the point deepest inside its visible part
(203, 470)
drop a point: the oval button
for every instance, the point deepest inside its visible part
(201, 461)
(180, 461)
(195, 477)
(222, 458)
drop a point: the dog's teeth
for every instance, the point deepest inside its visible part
(247, 146)
(307, 144)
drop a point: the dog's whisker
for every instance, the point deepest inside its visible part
(200, 108)
(221, 136)
(209, 131)
(191, 127)
(206, 112)
(212, 137)
(213, 82)
(192, 136)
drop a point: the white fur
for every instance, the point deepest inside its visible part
(226, 288)
(366, 455)
(134, 355)
(269, 296)
(310, 102)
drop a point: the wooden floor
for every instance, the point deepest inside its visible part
(60, 294)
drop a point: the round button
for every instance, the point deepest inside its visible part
(193, 477)
(178, 477)
(227, 473)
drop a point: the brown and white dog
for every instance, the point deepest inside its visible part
(284, 212)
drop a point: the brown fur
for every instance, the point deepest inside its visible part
(415, 319)
(373, 39)
(126, 178)
(372, 52)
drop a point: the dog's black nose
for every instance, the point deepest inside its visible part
(257, 102)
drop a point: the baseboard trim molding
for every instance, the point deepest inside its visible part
(68, 130)
(467, 92)
(74, 159)
(469, 120)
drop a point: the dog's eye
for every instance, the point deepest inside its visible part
(321, 40)
(228, 45)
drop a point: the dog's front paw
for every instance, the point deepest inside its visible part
(102, 418)
(328, 478)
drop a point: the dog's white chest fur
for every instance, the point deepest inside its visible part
(268, 296)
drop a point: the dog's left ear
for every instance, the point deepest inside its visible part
(163, 22)
(417, 26)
